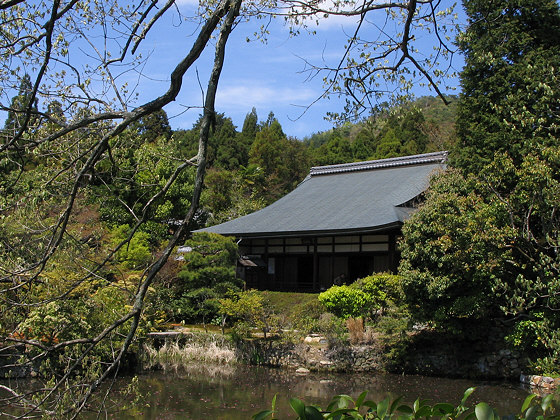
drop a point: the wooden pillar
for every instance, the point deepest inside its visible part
(315, 266)
(393, 252)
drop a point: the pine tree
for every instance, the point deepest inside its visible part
(510, 100)
(20, 103)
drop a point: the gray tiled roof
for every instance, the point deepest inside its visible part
(362, 196)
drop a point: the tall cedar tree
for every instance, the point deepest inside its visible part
(512, 56)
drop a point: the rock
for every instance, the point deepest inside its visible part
(302, 371)
(315, 339)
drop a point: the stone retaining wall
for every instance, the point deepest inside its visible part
(503, 364)
(318, 356)
(452, 359)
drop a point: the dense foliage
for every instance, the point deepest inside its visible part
(453, 250)
(484, 246)
(510, 100)
(344, 407)
(206, 274)
(364, 297)
(417, 127)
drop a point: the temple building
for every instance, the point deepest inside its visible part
(340, 224)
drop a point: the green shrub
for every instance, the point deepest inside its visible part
(364, 297)
(134, 255)
(538, 338)
(248, 309)
(384, 288)
(346, 301)
(207, 275)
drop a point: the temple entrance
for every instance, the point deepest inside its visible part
(305, 273)
(360, 267)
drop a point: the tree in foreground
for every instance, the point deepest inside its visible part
(78, 146)
(509, 102)
(53, 274)
(484, 246)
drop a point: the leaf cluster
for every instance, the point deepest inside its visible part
(344, 407)
(206, 274)
(363, 297)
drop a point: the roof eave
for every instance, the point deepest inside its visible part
(308, 233)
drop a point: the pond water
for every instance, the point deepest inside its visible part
(235, 393)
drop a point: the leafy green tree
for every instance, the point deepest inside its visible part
(283, 162)
(509, 100)
(136, 255)
(210, 262)
(336, 150)
(207, 274)
(125, 183)
(363, 146)
(22, 112)
(476, 252)
(482, 249)
(401, 134)
(250, 125)
(484, 244)
(152, 126)
(247, 135)
(219, 196)
(232, 194)
(453, 250)
(20, 104)
(266, 151)
(230, 152)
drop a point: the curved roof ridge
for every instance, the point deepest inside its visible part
(433, 157)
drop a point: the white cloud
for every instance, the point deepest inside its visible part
(247, 96)
(321, 22)
(187, 2)
(336, 22)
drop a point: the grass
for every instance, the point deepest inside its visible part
(291, 307)
(174, 356)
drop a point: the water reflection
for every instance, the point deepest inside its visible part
(232, 394)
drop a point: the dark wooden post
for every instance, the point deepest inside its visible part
(315, 266)
(393, 252)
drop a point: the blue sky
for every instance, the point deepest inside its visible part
(269, 76)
